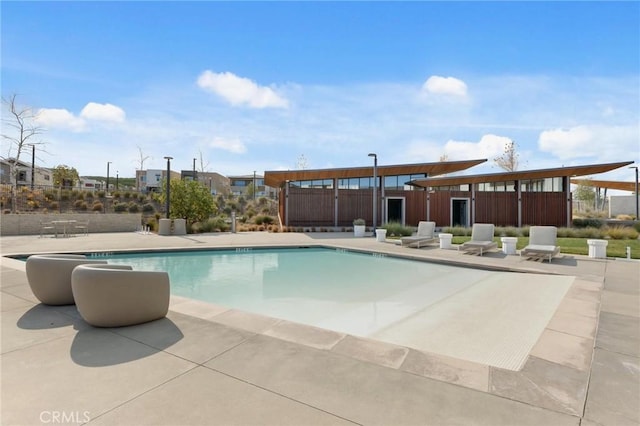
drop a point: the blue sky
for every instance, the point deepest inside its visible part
(257, 85)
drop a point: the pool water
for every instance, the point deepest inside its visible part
(484, 316)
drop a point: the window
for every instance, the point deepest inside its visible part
(542, 185)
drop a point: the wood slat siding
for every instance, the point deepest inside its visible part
(440, 206)
(499, 208)
(544, 208)
(353, 204)
(310, 207)
(315, 207)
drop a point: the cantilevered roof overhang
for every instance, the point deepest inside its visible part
(609, 184)
(277, 178)
(569, 171)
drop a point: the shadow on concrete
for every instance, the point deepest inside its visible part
(43, 317)
(101, 347)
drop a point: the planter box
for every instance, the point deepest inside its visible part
(359, 230)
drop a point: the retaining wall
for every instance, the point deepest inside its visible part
(29, 224)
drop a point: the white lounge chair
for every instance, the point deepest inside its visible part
(481, 239)
(542, 243)
(425, 235)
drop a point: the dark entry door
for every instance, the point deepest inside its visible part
(459, 216)
(394, 210)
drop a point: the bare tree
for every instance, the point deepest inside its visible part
(22, 119)
(301, 163)
(444, 158)
(204, 167)
(24, 132)
(509, 159)
(142, 159)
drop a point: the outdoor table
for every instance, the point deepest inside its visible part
(64, 224)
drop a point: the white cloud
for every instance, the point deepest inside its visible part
(489, 147)
(602, 142)
(447, 86)
(240, 91)
(60, 118)
(232, 145)
(103, 112)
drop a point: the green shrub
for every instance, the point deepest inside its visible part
(508, 231)
(395, 229)
(622, 233)
(590, 233)
(64, 195)
(127, 195)
(148, 208)
(458, 231)
(636, 226)
(120, 207)
(133, 208)
(212, 225)
(88, 195)
(80, 205)
(116, 195)
(567, 233)
(101, 194)
(54, 205)
(80, 196)
(588, 223)
(263, 219)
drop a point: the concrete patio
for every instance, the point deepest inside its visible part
(210, 365)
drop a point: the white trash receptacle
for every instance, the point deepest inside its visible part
(164, 227)
(597, 248)
(179, 227)
(381, 235)
(445, 240)
(509, 244)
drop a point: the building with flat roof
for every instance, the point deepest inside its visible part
(413, 192)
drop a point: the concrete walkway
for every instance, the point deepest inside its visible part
(210, 365)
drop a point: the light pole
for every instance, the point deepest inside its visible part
(107, 191)
(254, 185)
(636, 182)
(194, 169)
(168, 183)
(117, 178)
(375, 190)
(33, 163)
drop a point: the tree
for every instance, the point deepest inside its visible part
(302, 163)
(142, 159)
(251, 190)
(509, 159)
(189, 200)
(65, 176)
(585, 192)
(25, 130)
(204, 167)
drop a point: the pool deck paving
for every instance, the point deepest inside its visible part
(209, 365)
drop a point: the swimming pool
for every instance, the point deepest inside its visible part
(489, 317)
